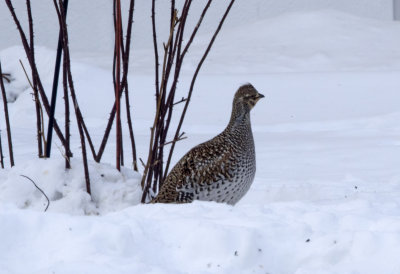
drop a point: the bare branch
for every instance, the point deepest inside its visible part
(125, 59)
(34, 68)
(5, 105)
(26, 74)
(39, 125)
(156, 63)
(79, 119)
(174, 141)
(196, 29)
(117, 77)
(180, 101)
(141, 161)
(7, 77)
(155, 173)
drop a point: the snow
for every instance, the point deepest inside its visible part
(325, 196)
(94, 31)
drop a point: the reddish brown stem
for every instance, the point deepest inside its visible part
(117, 84)
(34, 82)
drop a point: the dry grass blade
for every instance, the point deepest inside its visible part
(47, 198)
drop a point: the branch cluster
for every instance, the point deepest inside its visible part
(168, 64)
(174, 52)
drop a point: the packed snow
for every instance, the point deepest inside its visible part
(325, 198)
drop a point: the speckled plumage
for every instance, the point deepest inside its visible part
(221, 169)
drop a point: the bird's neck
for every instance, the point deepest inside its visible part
(240, 120)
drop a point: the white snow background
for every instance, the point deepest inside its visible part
(326, 197)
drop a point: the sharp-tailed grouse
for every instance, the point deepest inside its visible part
(221, 169)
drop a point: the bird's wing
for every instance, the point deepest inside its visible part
(206, 163)
(202, 166)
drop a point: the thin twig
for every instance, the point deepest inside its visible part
(41, 133)
(196, 29)
(5, 105)
(141, 161)
(117, 57)
(26, 74)
(173, 141)
(47, 198)
(130, 127)
(180, 101)
(7, 76)
(39, 126)
(65, 156)
(1, 153)
(125, 59)
(67, 114)
(156, 63)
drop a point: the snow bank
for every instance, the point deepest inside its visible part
(307, 42)
(66, 189)
(292, 237)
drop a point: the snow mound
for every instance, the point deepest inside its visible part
(324, 40)
(66, 189)
(11, 59)
(291, 237)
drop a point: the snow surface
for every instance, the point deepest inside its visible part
(326, 194)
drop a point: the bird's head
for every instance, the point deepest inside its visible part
(246, 97)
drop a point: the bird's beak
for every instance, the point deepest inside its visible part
(259, 96)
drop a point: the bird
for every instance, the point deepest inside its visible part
(221, 169)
